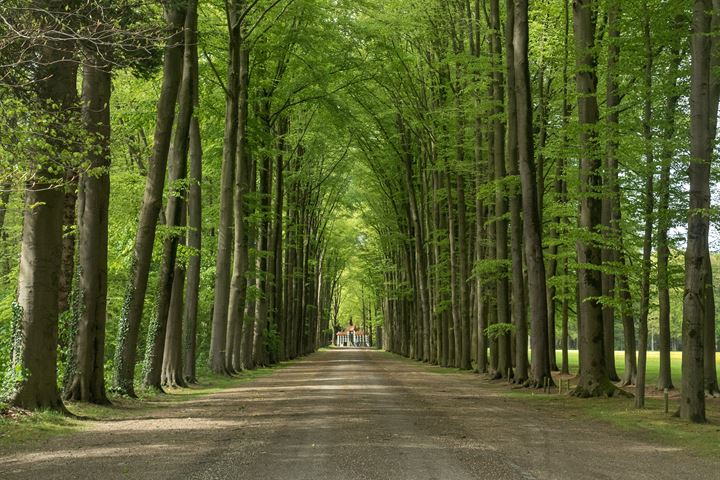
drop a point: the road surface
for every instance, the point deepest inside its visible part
(353, 414)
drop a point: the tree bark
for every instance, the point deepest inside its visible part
(35, 317)
(519, 313)
(238, 285)
(593, 380)
(132, 312)
(610, 200)
(218, 333)
(157, 330)
(194, 234)
(648, 213)
(537, 288)
(663, 249)
(85, 377)
(692, 403)
(504, 363)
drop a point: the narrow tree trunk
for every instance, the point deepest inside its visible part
(67, 264)
(663, 249)
(519, 313)
(504, 362)
(710, 369)
(610, 200)
(172, 364)
(218, 332)
(648, 213)
(238, 285)
(194, 237)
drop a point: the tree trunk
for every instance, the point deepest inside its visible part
(35, 316)
(663, 249)
(85, 377)
(692, 403)
(503, 366)
(537, 288)
(218, 334)
(172, 374)
(238, 285)
(175, 209)
(67, 264)
(593, 380)
(519, 313)
(610, 200)
(194, 234)
(132, 312)
(648, 213)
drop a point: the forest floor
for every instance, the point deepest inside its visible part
(364, 414)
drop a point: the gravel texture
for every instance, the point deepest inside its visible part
(353, 414)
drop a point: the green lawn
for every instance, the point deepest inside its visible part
(653, 364)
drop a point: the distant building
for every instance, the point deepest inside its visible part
(352, 337)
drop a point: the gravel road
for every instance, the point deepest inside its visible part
(353, 414)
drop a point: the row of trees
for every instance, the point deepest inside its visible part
(488, 172)
(530, 168)
(267, 231)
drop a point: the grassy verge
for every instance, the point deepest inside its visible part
(19, 426)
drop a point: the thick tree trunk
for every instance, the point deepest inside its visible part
(593, 380)
(537, 288)
(692, 403)
(131, 316)
(85, 377)
(35, 316)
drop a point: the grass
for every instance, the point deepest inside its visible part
(650, 424)
(20, 426)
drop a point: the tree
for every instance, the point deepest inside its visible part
(692, 404)
(532, 226)
(36, 310)
(126, 353)
(593, 380)
(85, 380)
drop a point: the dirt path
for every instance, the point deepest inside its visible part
(352, 414)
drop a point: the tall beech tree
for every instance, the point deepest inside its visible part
(36, 311)
(86, 378)
(593, 380)
(129, 327)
